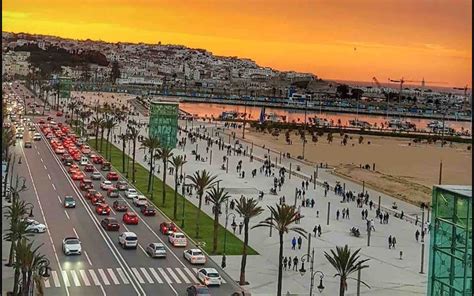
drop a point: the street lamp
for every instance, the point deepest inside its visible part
(312, 273)
(233, 225)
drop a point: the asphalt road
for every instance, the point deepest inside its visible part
(104, 268)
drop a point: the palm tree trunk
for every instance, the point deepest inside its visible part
(29, 286)
(165, 167)
(96, 138)
(342, 290)
(24, 287)
(102, 130)
(107, 145)
(133, 159)
(243, 263)
(123, 155)
(175, 209)
(16, 279)
(197, 216)
(10, 257)
(280, 271)
(150, 174)
(216, 225)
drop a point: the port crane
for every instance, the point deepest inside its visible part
(383, 91)
(465, 89)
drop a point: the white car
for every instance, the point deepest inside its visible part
(195, 256)
(72, 245)
(156, 250)
(178, 239)
(106, 185)
(140, 200)
(128, 240)
(130, 193)
(37, 137)
(209, 276)
(35, 226)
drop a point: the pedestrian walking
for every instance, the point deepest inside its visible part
(394, 241)
(315, 230)
(285, 263)
(363, 215)
(422, 235)
(241, 225)
(390, 242)
(295, 263)
(300, 241)
(343, 213)
(347, 213)
(312, 203)
(337, 215)
(319, 230)
(293, 243)
(289, 262)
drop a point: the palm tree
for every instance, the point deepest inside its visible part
(102, 131)
(201, 180)
(96, 123)
(217, 197)
(110, 123)
(15, 212)
(152, 144)
(73, 106)
(247, 208)
(8, 139)
(133, 135)
(345, 264)
(282, 219)
(29, 262)
(164, 154)
(124, 138)
(177, 162)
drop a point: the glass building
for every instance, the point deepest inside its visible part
(450, 263)
(163, 123)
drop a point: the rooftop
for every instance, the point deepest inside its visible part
(463, 190)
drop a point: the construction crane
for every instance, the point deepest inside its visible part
(423, 83)
(383, 91)
(465, 89)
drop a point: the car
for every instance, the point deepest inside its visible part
(95, 200)
(49, 118)
(105, 166)
(140, 200)
(128, 240)
(86, 184)
(76, 156)
(156, 250)
(59, 150)
(178, 239)
(119, 206)
(168, 228)
(49, 136)
(35, 226)
(96, 176)
(85, 149)
(209, 276)
(69, 202)
(148, 210)
(121, 185)
(73, 168)
(72, 246)
(41, 121)
(37, 137)
(98, 160)
(112, 176)
(113, 192)
(77, 176)
(31, 129)
(19, 136)
(194, 256)
(110, 224)
(89, 168)
(130, 218)
(105, 185)
(131, 193)
(84, 160)
(102, 209)
(90, 193)
(28, 144)
(68, 161)
(198, 290)
(59, 114)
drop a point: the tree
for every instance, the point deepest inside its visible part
(96, 123)
(342, 90)
(115, 73)
(133, 135)
(17, 230)
(345, 264)
(152, 144)
(282, 219)
(30, 263)
(177, 162)
(124, 138)
(8, 139)
(356, 93)
(164, 154)
(73, 106)
(201, 180)
(109, 124)
(217, 197)
(247, 208)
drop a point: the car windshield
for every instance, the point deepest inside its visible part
(131, 238)
(72, 242)
(159, 248)
(197, 253)
(179, 235)
(202, 291)
(131, 190)
(212, 274)
(112, 220)
(69, 198)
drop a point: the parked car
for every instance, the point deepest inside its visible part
(198, 290)
(35, 226)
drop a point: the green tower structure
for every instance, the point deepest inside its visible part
(450, 260)
(163, 123)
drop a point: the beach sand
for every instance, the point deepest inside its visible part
(401, 170)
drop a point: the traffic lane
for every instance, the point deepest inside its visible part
(137, 258)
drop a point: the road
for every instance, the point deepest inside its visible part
(104, 268)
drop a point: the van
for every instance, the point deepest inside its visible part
(84, 160)
(128, 240)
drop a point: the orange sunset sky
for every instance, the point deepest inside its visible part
(393, 38)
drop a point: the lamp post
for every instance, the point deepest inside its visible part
(312, 272)
(304, 130)
(234, 225)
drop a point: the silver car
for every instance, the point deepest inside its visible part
(156, 250)
(72, 245)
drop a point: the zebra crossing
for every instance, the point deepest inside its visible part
(116, 276)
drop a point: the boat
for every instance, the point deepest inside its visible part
(272, 117)
(435, 124)
(319, 121)
(226, 115)
(359, 123)
(401, 124)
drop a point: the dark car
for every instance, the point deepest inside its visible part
(110, 224)
(121, 185)
(68, 161)
(119, 206)
(105, 166)
(148, 210)
(198, 290)
(113, 192)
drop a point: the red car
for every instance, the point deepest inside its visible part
(167, 227)
(89, 168)
(113, 192)
(77, 176)
(98, 160)
(86, 149)
(76, 156)
(97, 200)
(73, 168)
(90, 193)
(41, 121)
(102, 209)
(148, 210)
(119, 206)
(59, 114)
(130, 218)
(110, 224)
(86, 184)
(112, 176)
(64, 156)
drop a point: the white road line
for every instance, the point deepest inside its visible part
(60, 201)
(95, 279)
(46, 283)
(88, 259)
(49, 176)
(41, 159)
(65, 278)
(85, 279)
(122, 275)
(165, 276)
(38, 152)
(75, 232)
(147, 276)
(112, 276)
(155, 275)
(55, 278)
(177, 280)
(192, 275)
(103, 291)
(75, 279)
(195, 270)
(137, 274)
(67, 215)
(45, 167)
(103, 276)
(143, 250)
(181, 273)
(54, 187)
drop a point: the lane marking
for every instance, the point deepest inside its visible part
(55, 278)
(38, 152)
(103, 276)
(122, 275)
(112, 276)
(147, 276)
(165, 276)
(49, 176)
(45, 167)
(85, 279)
(137, 274)
(155, 275)
(192, 275)
(177, 280)
(67, 215)
(54, 187)
(41, 159)
(88, 259)
(75, 232)
(103, 291)
(95, 279)
(60, 201)
(46, 283)
(75, 279)
(181, 273)
(65, 278)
